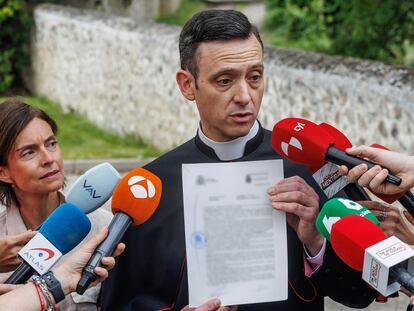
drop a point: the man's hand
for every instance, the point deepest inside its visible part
(301, 204)
(9, 247)
(393, 221)
(211, 305)
(399, 164)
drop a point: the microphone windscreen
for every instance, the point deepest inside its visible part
(137, 195)
(341, 141)
(301, 141)
(93, 188)
(66, 227)
(351, 235)
(337, 208)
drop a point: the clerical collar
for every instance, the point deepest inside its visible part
(230, 150)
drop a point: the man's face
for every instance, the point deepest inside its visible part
(230, 87)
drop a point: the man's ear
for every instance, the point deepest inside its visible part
(186, 83)
(4, 175)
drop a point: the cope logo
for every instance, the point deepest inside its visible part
(141, 187)
(43, 252)
(294, 142)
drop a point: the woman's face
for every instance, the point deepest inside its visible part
(35, 163)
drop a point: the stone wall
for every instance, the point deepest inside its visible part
(121, 74)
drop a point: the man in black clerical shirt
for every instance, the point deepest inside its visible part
(222, 71)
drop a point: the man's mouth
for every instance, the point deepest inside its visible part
(241, 117)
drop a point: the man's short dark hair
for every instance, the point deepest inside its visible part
(212, 25)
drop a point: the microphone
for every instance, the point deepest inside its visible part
(64, 229)
(364, 247)
(134, 201)
(352, 190)
(338, 208)
(94, 187)
(306, 143)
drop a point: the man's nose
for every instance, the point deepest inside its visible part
(242, 95)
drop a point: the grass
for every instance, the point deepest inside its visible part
(80, 139)
(183, 13)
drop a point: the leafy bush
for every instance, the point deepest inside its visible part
(380, 29)
(15, 22)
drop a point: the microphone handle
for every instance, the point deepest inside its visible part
(117, 228)
(21, 274)
(340, 157)
(407, 200)
(356, 192)
(403, 277)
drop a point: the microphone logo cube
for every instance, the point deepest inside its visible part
(40, 254)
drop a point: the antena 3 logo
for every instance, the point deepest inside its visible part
(141, 187)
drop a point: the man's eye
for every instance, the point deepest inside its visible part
(255, 78)
(224, 82)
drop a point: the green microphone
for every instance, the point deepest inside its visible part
(337, 208)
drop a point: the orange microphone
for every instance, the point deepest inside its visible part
(134, 201)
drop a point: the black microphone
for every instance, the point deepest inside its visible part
(340, 157)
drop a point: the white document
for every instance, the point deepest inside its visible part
(236, 243)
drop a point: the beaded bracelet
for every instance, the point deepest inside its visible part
(40, 295)
(49, 306)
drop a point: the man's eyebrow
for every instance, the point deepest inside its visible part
(31, 146)
(232, 70)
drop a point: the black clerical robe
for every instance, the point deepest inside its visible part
(152, 274)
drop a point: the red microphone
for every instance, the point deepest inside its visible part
(350, 238)
(134, 201)
(303, 142)
(341, 141)
(363, 246)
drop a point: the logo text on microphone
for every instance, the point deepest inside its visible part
(40, 254)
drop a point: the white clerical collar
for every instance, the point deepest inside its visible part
(229, 150)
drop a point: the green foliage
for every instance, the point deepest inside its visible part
(187, 9)
(80, 139)
(15, 22)
(379, 29)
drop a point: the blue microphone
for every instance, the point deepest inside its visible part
(94, 187)
(64, 229)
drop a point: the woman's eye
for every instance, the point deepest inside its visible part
(28, 154)
(52, 145)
